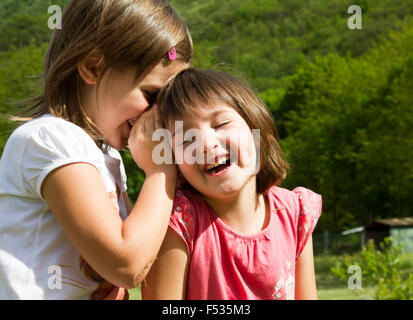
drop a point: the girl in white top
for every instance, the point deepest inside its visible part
(63, 197)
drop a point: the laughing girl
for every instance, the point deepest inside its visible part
(234, 233)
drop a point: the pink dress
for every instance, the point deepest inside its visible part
(225, 265)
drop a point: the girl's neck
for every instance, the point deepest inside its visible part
(244, 212)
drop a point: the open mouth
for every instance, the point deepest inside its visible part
(219, 167)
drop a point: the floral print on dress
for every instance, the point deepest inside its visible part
(181, 218)
(218, 255)
(284, 289)
(277, 294)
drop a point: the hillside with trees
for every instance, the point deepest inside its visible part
(341, 98)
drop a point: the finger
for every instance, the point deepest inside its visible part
(145, 122)
(158, 120)
(122, 292)
(150, 125)
(103, 290)
(116, 294)
(139, 125)
(134, 129)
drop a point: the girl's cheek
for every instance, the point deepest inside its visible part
(134, 104)
(187, 174)
(241, 144)
(234, 140)
(251, 152)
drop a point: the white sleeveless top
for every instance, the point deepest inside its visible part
(37, 260)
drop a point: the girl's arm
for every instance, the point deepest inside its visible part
(305, 284)
(167, 278)
(120, 252)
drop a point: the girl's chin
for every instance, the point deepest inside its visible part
(227, 189)
(119, 139)
(222, 195)
(117, 144)
(222, 191)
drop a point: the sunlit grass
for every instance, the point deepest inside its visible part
(135, 294)
(331, 287)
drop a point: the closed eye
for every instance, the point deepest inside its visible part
(222, 124)
(151, 96)
(186, 142)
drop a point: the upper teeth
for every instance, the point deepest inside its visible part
(217, 162)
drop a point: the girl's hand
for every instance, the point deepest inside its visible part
(141, 143)
(108, 291)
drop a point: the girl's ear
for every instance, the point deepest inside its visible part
(90, 67)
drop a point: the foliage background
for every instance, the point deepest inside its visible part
(341, 98)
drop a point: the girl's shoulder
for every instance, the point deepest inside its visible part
(185, 204)
(298, 199)
(300, 209)
(41, 145)
(50, 125)
(184, 216)
(48, 134)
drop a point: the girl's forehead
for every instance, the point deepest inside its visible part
(204, 113)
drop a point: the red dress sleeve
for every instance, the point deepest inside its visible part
(310, 204)
(182, 219)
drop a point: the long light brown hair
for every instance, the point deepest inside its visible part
(126, 33)
(192, 89)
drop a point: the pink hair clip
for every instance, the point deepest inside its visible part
(172, 54)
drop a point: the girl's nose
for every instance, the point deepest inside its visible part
(208, 150)
(211, 141)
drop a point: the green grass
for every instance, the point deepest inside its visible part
(135, 294)
(329, 286)
(344, 293)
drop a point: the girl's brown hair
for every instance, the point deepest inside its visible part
(125, 33)
(192, 89)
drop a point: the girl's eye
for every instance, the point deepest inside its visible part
(186, 142)
(150, 96)
(222, 124)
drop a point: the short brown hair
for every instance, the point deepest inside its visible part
(191, 89)
(134, 33)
